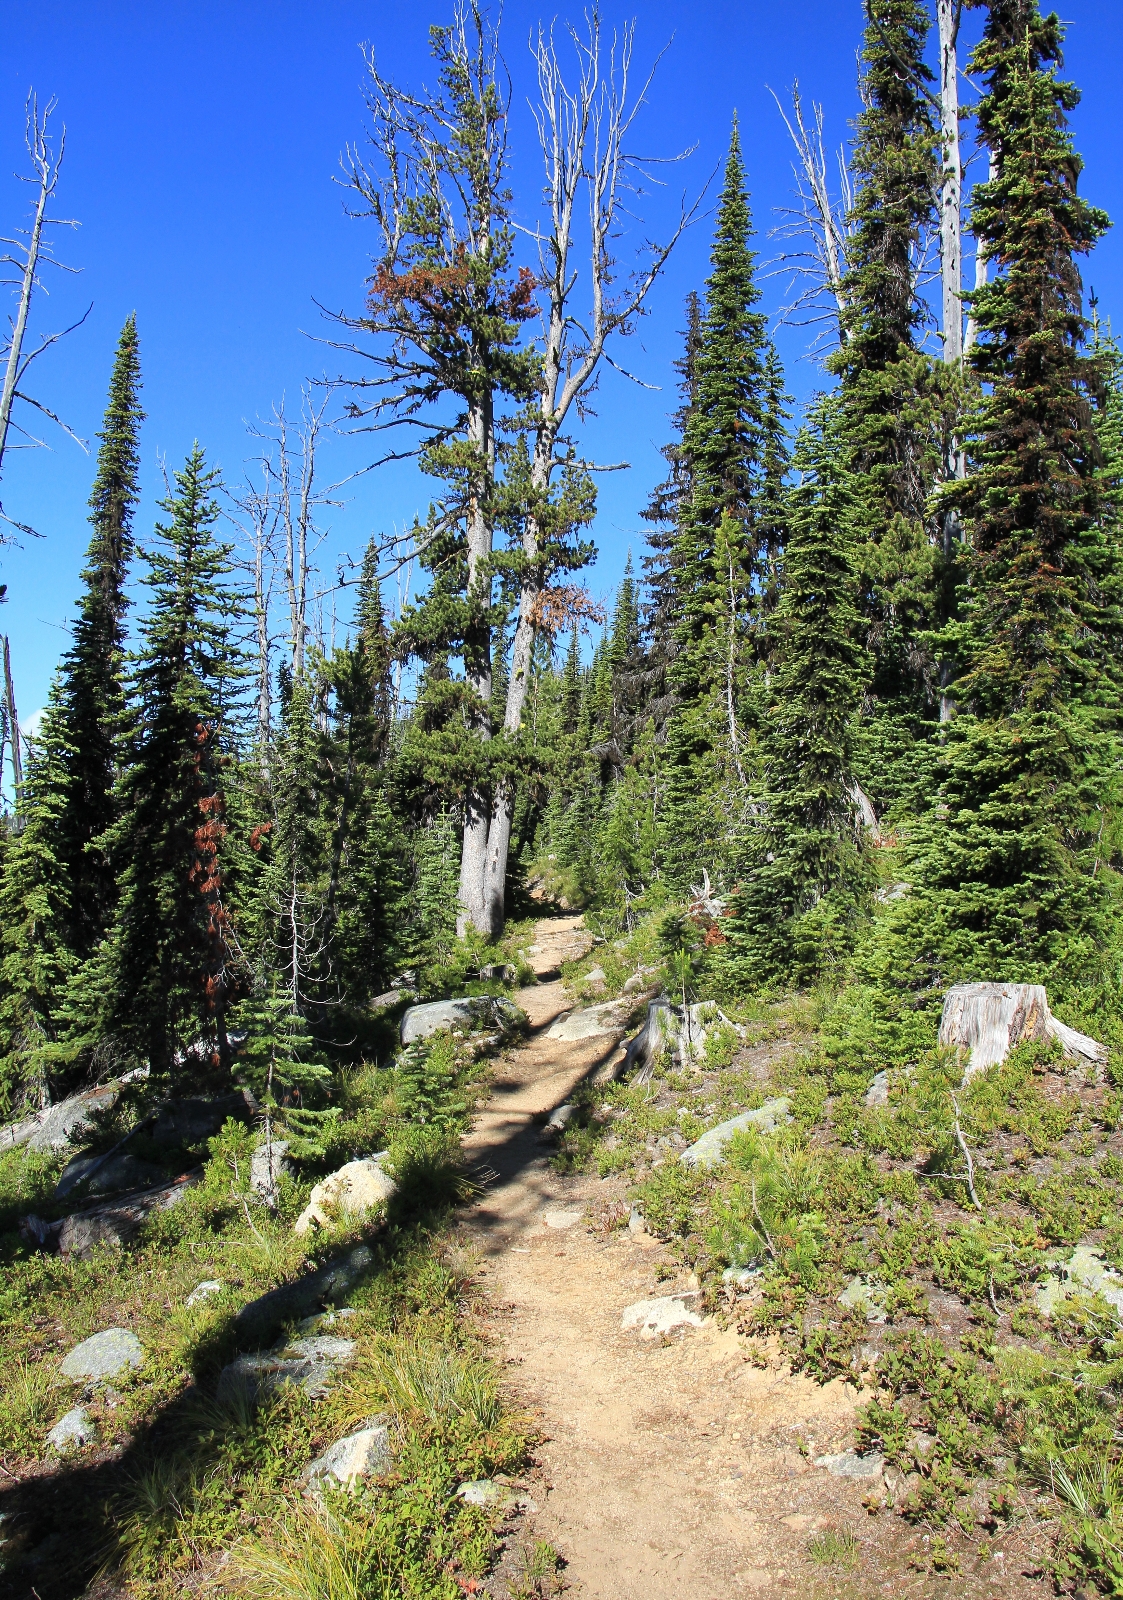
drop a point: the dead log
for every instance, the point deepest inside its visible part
(986, 1020)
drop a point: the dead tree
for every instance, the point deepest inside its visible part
(30, 249)
(585, 130)
(818, 223)
(948, 14)
(12, 717)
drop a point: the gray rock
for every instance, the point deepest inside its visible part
(117, 1221)
(467, 1013)
(561, 1117)
(653, 1317)
(486, 1492)
(104, 1355)
(268, 1165)
(125, 1172)
(636, 1222)
(70, 1120)
(204, 1291)
(261, 1318)
(741, 1278)
(359, 1458)
(562, 1219)
(867, 1296)
(190, 1122)
(851, 1465)
(594, 975)
(878, 1092)
(311, 1364)
(1085, 1272)
(73, 1432)
(391, 998)
(709, 1150)
(497, 972)
(591, 1023)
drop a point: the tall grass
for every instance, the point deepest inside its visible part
(428, 1382)
(311, 1554)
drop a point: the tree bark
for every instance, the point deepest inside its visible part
(473, 909)
(13, 723)
(951, 244)
(987, 1020)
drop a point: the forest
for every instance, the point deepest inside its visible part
(849, 736)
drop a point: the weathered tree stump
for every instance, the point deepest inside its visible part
(988, 1019)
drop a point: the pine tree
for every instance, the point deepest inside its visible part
(723, 445)
(91, 693)
(796, 905)
(58, 889)
(1010, 870)
(161, 980)
(894, 418)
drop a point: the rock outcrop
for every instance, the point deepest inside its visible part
(355, 1189)
(361, 1457)
(104, 1355)
(709, 1150)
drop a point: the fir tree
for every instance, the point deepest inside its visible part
(723, 445)
(1011, 860)
(796, 905)
(58, 888)
(162, 978)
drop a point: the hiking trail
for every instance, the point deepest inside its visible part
(671, 1466)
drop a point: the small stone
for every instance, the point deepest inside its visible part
(849, 1464)
(709, 1150)
(311, 1364)
(878, 1092)
(636, 1222)
(1085, 1272)
(594, 975)
(360, 1457)
(73, 1432)
(741, 1278)
(485, 1492)
(560, 1118)
(562, 1219)
(104, 1355)
(204, 1291)
(867, 1296)
(653, 1317)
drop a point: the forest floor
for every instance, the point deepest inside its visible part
(671, 1465)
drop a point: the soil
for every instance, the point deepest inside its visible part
(670, 1466)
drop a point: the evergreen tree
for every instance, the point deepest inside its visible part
(723, 445)
(91, 693)
(1011, 858)
(163, 975)
(796, 905)
(894, 419)
(58, 888)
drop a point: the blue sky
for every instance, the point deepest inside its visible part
(202, 141)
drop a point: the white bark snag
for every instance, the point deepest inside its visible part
(583, 133)
(13, 722)
(988, 1019)
(474, 909)
(980, 269)
(951, 244)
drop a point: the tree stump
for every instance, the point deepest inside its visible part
(988, 1019)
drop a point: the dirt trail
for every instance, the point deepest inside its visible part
(672, 1466)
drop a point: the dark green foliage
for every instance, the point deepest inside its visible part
(1013, 856)
(162, 978)
(804, 871)
(58, 888)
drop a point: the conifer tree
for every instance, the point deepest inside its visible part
(892, 418)
(797, 902)
(163, 975)
(723, 444)
(1010, 869)
(58, 889)
(91, 693)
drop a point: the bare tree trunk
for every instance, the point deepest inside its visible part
(951, 244)
(582, 133)
(27, 262)
(980, 268)
(473, 907)
(13, 723)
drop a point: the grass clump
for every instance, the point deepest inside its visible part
(834, 1547)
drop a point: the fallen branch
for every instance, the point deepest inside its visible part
(962, 1142)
